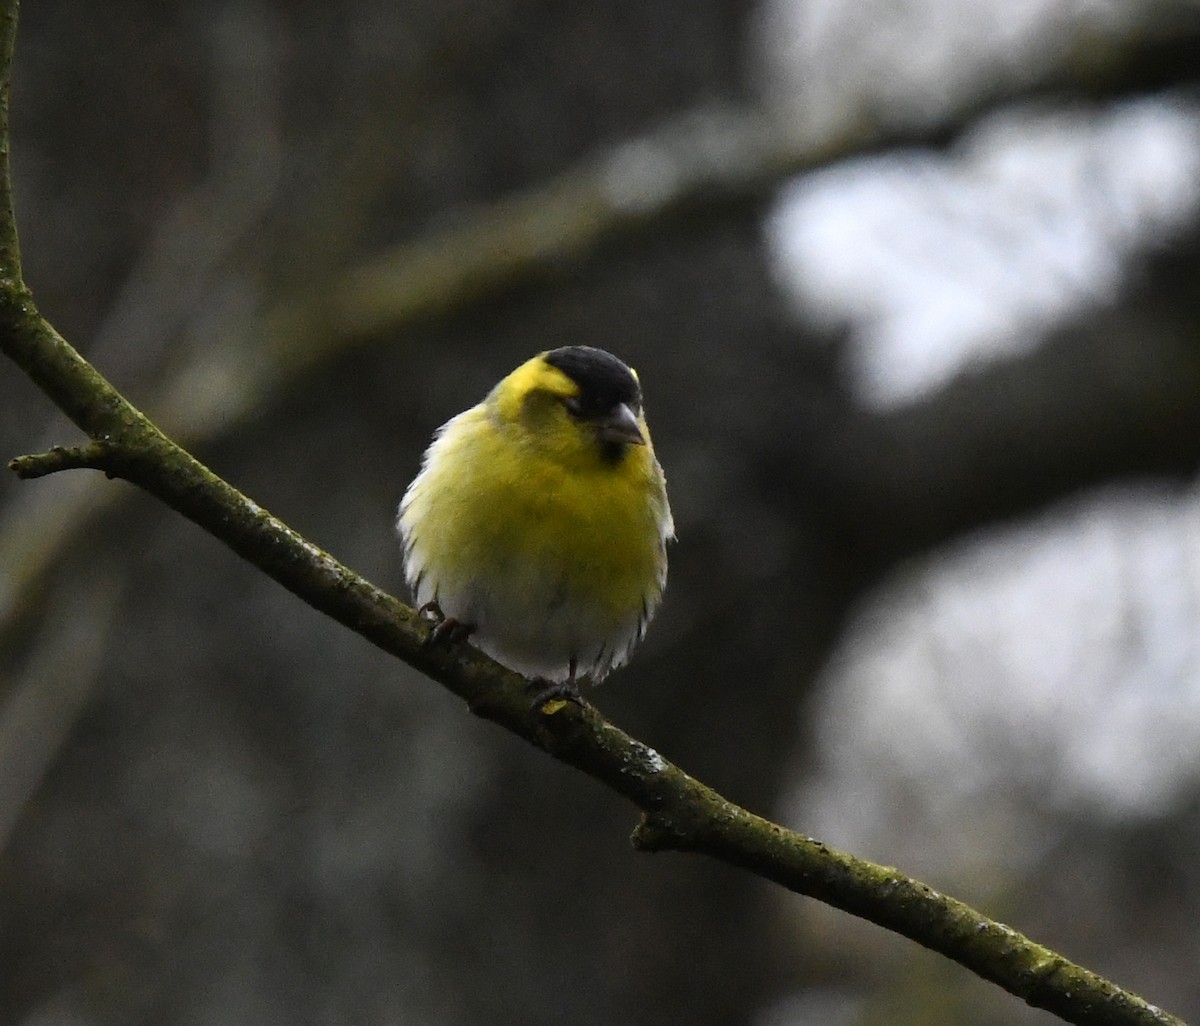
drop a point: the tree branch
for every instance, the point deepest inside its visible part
(77, 457)
(680, 813)
(10, 250)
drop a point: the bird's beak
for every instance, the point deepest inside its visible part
(620, 425)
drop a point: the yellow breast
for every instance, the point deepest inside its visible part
(553, 553)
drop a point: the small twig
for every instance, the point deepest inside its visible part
(93, 456)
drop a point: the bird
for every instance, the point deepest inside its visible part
(537, 525)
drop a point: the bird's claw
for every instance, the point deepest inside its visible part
(551, 691)
(446, 629)
(431, 611)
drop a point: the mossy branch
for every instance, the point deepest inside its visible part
(679, 812)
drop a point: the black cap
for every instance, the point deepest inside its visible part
(604, 381)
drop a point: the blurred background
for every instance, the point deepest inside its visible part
(912, 289)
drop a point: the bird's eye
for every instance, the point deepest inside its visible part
(574, 406)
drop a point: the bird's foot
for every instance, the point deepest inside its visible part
(446, 629)
(557, 690)
(431, 611)
(554, 691)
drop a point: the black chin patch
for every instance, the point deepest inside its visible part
(604, 381)
(613, 452)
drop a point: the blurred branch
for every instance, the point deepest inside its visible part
(707, 159)
(37, 717)
(1113, 395)
(679, 813)
(709, 156)
(170, 320)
